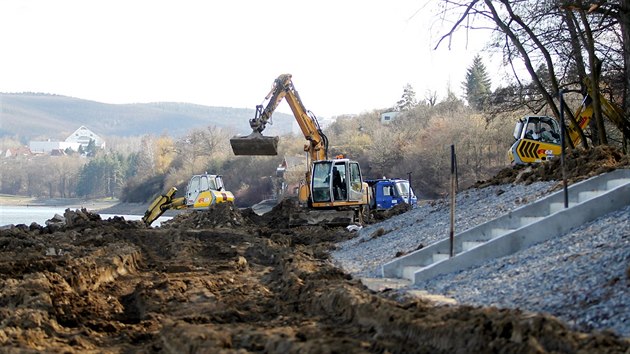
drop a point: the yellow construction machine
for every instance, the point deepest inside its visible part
(333, 190)
(203, 191)
(537, 138)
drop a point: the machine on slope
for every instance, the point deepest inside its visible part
(333, 190)
(203, 191)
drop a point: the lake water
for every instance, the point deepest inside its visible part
(39, 214)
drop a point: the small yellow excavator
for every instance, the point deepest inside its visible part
(333, 190)
(203, 191)
(537, 138)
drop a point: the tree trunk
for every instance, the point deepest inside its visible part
(624, 20)
(595, 65)
(572, 26)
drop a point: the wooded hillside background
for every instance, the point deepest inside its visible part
(577, 48)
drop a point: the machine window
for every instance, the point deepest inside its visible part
(204, 183)
(194, 184)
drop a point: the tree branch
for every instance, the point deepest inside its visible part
(456, 25)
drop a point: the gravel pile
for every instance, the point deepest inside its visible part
(582, 277)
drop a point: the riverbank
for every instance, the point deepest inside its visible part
(72, 203)
(111, 206)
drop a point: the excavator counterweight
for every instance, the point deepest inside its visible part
(255, 144)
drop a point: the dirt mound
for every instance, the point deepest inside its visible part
(227, 215)
(219, 215)
(228, 280)
(273, 224)
(377, 216)
(580, 164)
(112, 286)
(280, 215)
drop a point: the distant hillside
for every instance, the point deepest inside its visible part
(31, 115)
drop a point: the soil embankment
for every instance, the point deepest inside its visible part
(223, 280)
(231, 281)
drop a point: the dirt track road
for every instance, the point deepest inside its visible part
(222, 281)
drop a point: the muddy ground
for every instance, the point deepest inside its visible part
(230, 281)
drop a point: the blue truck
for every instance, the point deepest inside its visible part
(389, 192)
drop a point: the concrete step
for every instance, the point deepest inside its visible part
(587, 195)
(438, 257)
(468, 245)
(617, 182)
(526, 220)
(408, 272)
(518, 229)
(555, 207)
(499, 231)
(380, 284)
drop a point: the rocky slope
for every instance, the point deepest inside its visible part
(582, 277)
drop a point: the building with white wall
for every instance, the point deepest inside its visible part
(388, 117)
(83, 136)
(80, 138)
(46, 147)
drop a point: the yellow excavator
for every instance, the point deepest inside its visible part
(202, 192)
(333, 190)
(537, 138)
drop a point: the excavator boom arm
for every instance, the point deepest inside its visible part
(162, 204)
(318, 142)
(257, 144)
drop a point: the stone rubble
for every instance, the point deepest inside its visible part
(582, 277)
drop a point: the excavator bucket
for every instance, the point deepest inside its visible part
(255, 144)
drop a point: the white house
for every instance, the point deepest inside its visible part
(83, 136)
(46, 147)
(388, 117)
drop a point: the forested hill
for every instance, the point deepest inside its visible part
(34, 115)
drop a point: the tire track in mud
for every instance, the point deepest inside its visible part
(121, 287)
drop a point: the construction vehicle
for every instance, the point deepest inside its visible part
(530, 146)
(203, 191)
(333, 190)
(390, 192)
(537, 138)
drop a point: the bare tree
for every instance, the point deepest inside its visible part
(549, 39)
(624, 19)
(196, 149)
(430, 97)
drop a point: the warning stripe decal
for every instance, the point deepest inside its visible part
(528, 149)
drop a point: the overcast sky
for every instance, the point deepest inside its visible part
(346, 56)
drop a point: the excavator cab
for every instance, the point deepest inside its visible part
(337, 195)
(534, 128)
(336, 182)
(537, 139)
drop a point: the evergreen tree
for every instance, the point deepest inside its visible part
(90, 150)
(102, 176)
(477, 84)
(408, 100)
